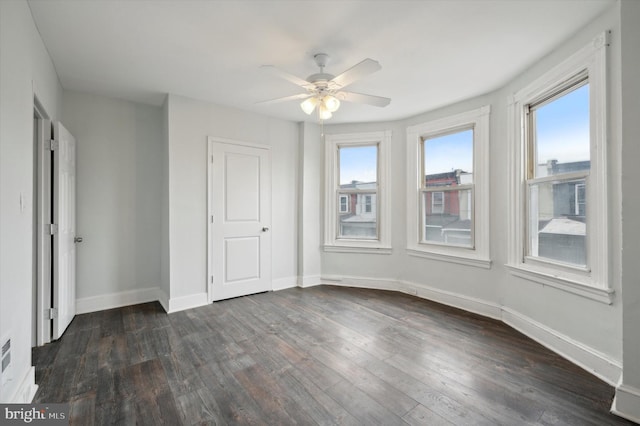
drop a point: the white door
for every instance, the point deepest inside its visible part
(239, 220)
(64, 210)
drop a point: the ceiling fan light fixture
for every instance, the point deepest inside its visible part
(324, 113)
(331, 103)
(309, 104)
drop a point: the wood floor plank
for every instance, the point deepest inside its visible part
(83, 410)
(421, 415)
(382, 392)
(199, 407)
(361, 406)
(236, 405)
(322, 355)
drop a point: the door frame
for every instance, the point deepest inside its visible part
(211, 140)
(42, 205)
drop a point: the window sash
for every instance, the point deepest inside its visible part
(364, 193)
(529, 236)
(469, 188)
(447, 188)
(560, 177)
(575, 82)
(531, 180)
(439, 208)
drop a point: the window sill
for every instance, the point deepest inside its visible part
(451, 257)
(602, 295)
(357, 249)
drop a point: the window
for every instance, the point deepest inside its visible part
(357, 214)
(558, 163)
(448, 189)
(358, 178)
(344, 204)
(558, 157)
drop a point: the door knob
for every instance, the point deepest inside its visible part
(77, 239)
(265, 229)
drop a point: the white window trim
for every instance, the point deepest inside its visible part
(381, 245)
(593, 284)
(478, 255)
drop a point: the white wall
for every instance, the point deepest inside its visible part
(310, 204)
(119, 184)
(586, 331)
(165, 285)
(628, 394)
(25, 67)
(190, 122)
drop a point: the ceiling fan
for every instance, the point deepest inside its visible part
(325, 91)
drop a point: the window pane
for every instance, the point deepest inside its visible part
(448, 159)
(447, 217)
(360, 220)
(344, 204)
(557, 223)
(562, 134)
(358, 164)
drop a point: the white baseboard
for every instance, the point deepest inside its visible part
(423, 291)
(116, 300)
(626, 403)
(588, 358)
(163, 298)
(25, 393)
(309, 281)
(284, 283)
(467, 303)
(361, 282)
(187, 302)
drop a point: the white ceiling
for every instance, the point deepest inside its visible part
(432, 53)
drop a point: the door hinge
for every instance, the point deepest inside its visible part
(53, 145)
(52, 313)
(53, 229)
(211, 279)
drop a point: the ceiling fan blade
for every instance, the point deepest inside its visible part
(360, 98)
(289, 77)
(366, 67)
(286, 98)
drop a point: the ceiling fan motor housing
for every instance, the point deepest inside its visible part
(321, 59)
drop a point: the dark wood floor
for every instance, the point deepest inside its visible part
(323, 355)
